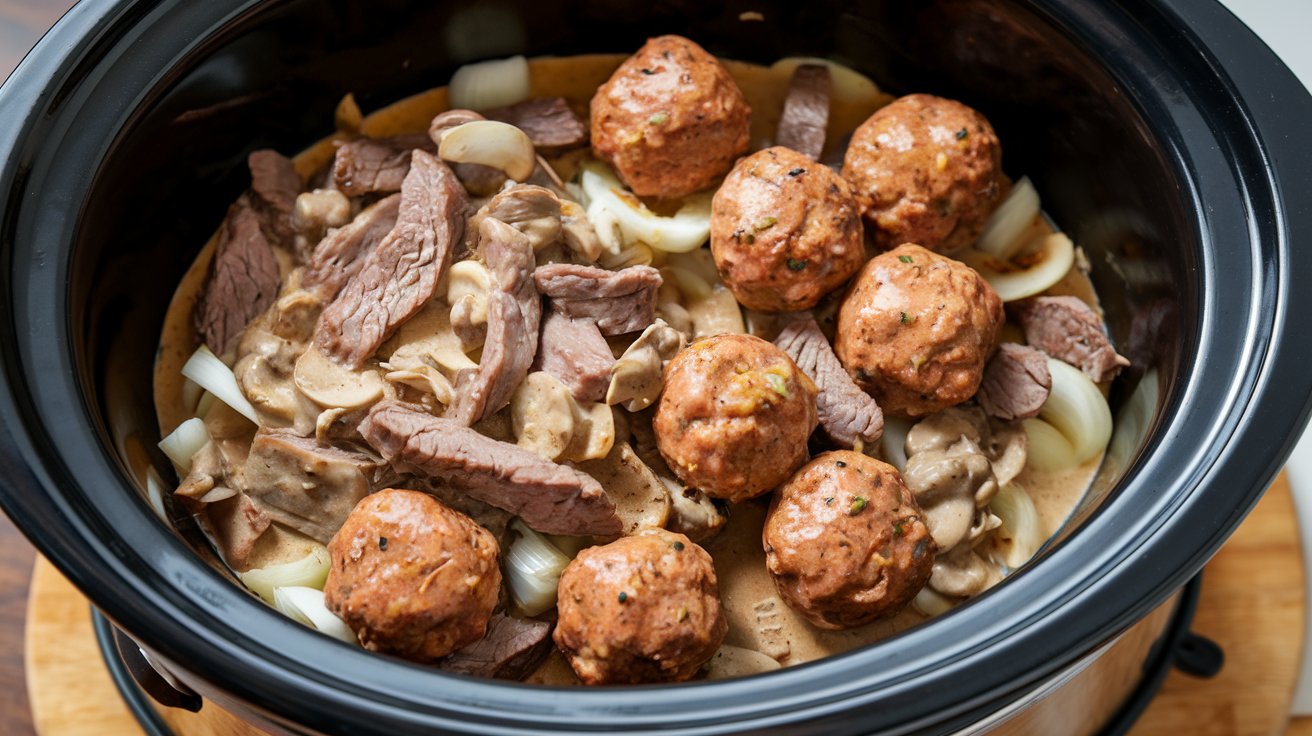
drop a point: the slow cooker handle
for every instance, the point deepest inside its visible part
(154, 679)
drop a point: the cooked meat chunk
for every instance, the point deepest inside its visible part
(512, 650)
(1016, 383)
(671, 120)
(619, 301)
(412, 577)
(575, 351)
(304, 485)
(376, 165)
(514, 312)
(644, 608)
(275, 186)
(926, 170)
(548, 121)
(916, 329)
(734, 417)
(847, 413)
(236, 523)
(341, 253)
(243, 279)
(399, 276)
(846, 542)
(550, 498)
(785, 231)
(1069, 330)
(806, 111)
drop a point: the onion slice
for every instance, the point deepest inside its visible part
(306, 606)
(1074, 424)
(184, 442)
(155, 493)
(488, 84)
(895, 441)
(205, 368)
(1020, 535)
(1042, 269)
(686, 230)
(533, 568)
(1002, 236)
(310, 571)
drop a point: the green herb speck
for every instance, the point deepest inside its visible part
(796, 265)
(678, 546)
(858, 505)
(765, 223)
(908, 319)
(623, 596)
(961, 134)
(797, 172)
(904, 259)
(659, 118)
(777, 384)
(897, 529)
(682, 614)
(749, 238)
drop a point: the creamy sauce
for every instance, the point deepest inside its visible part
(758, 619)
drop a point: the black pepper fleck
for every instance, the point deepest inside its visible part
(796, 265)
(961, 134)
(678, 546)
(382, 543)
(797, 172)
(841, 464)
(623, 596)
(649, 72)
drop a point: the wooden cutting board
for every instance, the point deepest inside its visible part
(1252, 605)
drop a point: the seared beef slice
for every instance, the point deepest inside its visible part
(376, 165)
(574, 351)
(618, 301)
(243, 279)
(1016, 383)
(343, 250)
(846, 412)
(806, 111)
(1070, 331)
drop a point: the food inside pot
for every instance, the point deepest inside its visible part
(619, 370)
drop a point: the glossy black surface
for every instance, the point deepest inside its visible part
(1164, 137)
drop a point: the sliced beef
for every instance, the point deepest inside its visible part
(236, 524)
(514, 312)
(376, 165)
(243, 279)
(304, 485)
(341, 253)
(1016, 383)
(1069, 330)
(806, 111)
(399, 276)
(548, 121)
(275, 186)
(846, 412)
(512, 649)
(575, 351)
(619, 301)
(551, 498)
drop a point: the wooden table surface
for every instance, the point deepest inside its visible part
(1213, 708)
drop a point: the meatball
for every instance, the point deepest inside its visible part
(734, 416)
(412, 577)
(925, 170)
(846, 542)
(916, 329)
(644, 608)
(670, 120)
(785, 231)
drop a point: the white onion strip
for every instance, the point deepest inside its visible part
(894, 442)
(533, 568)
(1048, 265)
(184, 442)
(1002, 236)
(1020, 535)
(1075, 412)
(311, 571)
(155, 493)
(306, 606)
(686, 230)
(205, 368)
(489, 84)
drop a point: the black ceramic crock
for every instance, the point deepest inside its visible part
(1163, 136)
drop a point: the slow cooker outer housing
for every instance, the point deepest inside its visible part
(1165, 137)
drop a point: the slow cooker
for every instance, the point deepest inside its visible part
(1163, 136)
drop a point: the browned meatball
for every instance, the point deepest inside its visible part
(916, 329)
(926, 170)
(644, 608)
(846, 542)
(785, 231)
(412, 577)
(670, 120)
(734, 416)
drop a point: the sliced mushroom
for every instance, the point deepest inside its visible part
(693, 513)
(319, 210)
(636, 379)
(578, 233)
(490, 143)
(532, 210)
(1008, 447)
(469, 285)
(962, 573)
(542, 415)
(427, 339)
(950, 486)
(639, 496)
(594, 432)
(717, 314)
(295, 314)
(331, 385)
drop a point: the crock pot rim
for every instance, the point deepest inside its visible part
(1278, 362)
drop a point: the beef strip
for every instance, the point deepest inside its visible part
(275, 186)
(846, 412)
(309, 487)
(236, 524)
(1069, 330)
(619, 301)
(548, 121)
(512, 649)
(514, 312)
(575, 351)
(1016, 383)
(399, 276)
(551, 498)
(376, 165)
(342, 252)
(806, 111)
(243, 279)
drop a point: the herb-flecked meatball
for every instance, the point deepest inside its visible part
(734, 416)
(671, 120)
(916, 329)
(925, 170)
(411, 576)
(846, 542)
(645, 608)
(785, 231)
